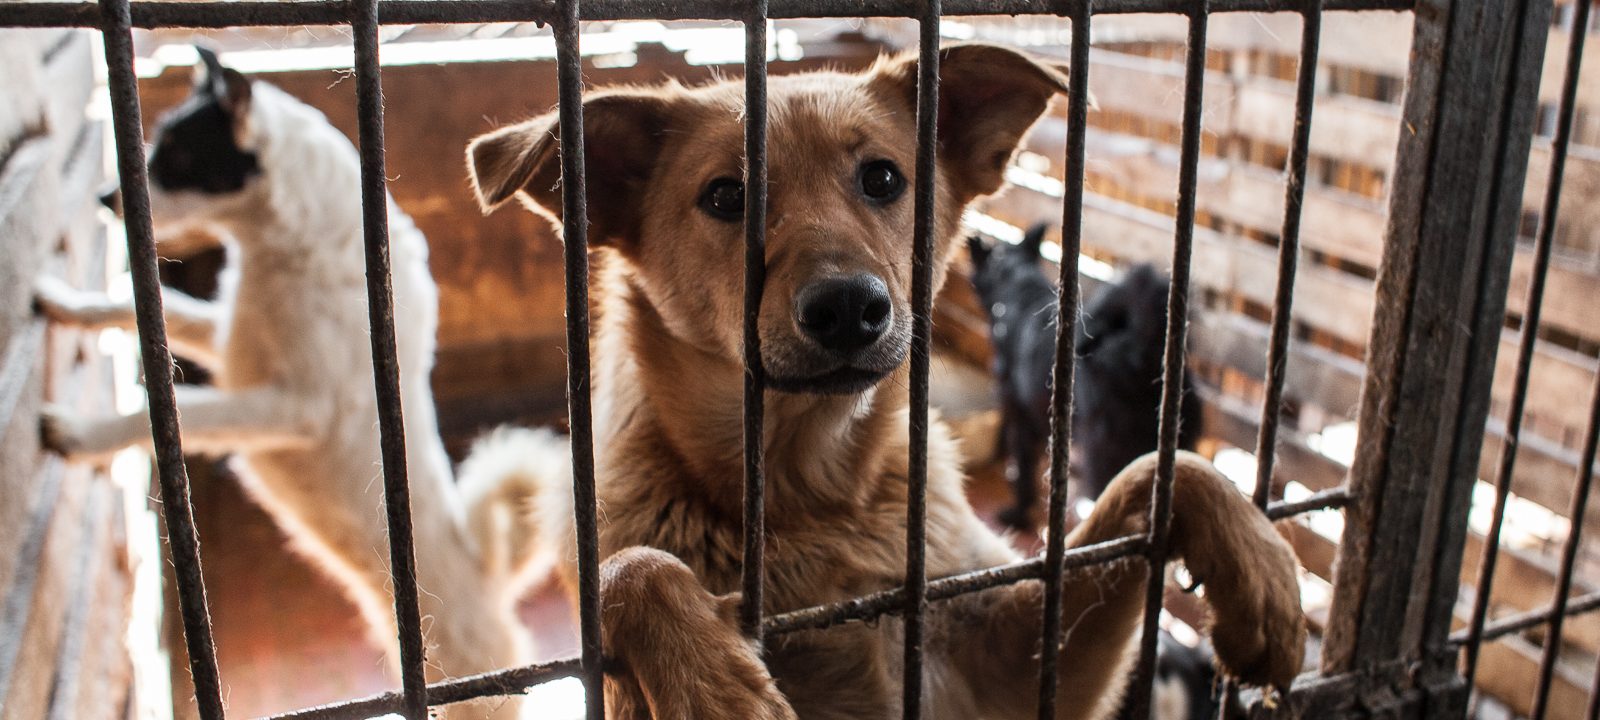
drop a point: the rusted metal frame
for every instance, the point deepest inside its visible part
(511, 681)
(256, 13)
(176, 508)
(755, 278)
(385, 361)
(1569, 556)
(869, 608)
(923, 228)
(1427, 383)
(575, 235)
(1580, 495)
(863, 609)
(1288, 252)
(1528, 333)
(1068, 300)
(1138, 699)
(1523, 621)
(1552, 642)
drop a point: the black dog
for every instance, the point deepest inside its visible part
(1120, 340)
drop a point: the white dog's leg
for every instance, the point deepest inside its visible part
(191, 322)
(210, 420)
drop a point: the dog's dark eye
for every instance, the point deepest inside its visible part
(723, 199)
(881, 181)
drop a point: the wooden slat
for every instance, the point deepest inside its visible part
(1336, 223)
(1508, 671)
(1523, 581)
(1546, 473)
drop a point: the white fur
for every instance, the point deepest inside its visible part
(294, 390)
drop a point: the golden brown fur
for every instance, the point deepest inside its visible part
(668, 416)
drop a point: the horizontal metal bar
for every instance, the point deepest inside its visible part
(1330, 499)
(1523, 621)
(516, 680)
(893, 602)
(216, 14)
(511, 681)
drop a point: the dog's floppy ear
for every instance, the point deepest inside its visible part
(988, 98)
(622, 131)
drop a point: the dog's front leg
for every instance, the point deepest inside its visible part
(191, 322)
(211, 420)
(1248, 571)
(676, 648)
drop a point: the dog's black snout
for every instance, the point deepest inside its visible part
(844, 313)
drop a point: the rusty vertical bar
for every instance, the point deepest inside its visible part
(1288, 252)
(1066, 351)
(1569, 556)
(575, 234)
(385, 364)
(921, 334)
(1172, 364)
(755, 278)
(176, 508)
(1527, 338)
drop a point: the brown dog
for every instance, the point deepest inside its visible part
(665, 203)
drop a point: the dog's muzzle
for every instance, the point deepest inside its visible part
(845, 321)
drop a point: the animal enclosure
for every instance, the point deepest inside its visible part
(1474, 343)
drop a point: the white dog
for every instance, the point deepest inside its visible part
(288, 342)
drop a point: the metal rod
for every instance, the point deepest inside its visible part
(259, 13)
(176, 509)
(1569, 552)
(755, 278)
(1288, 252)
(1330, 499)
(893, 601)
(863, 609)
(921, 335)
(1552, 209)
(511, 681)
(575, 234)
(1172, 364)
(1066, 352)
(385, 363)
(1528, 337)
(1523, 621)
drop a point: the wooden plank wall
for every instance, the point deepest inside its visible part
(65, 582)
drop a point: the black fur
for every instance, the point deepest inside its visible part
(195, 145)
(1191, 670)
(1118, 394)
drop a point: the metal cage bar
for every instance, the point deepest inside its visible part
(1066, 354)
(921, 336)
(220, 14)
(575, 241)
(1528, 336)
(1447, 34)
(1172, 363)
(1569, 556)
(176, 509)
(385, 362)
(1294, 194)
(755, 278)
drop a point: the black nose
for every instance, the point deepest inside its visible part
(844, 313)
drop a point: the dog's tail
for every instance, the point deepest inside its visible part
(511, 482)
